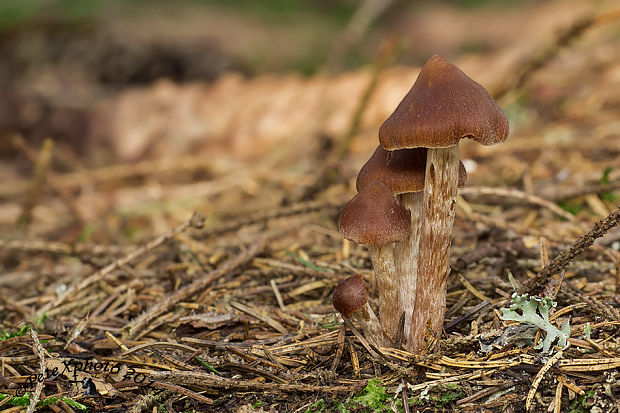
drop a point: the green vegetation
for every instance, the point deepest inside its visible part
(317, 407)
(306, 263)
(607, 196)
(21, 332)
(14, 13)
(571, 207)
(86, 233)
(25, 401)
(374, 398)
(605, 177)
(581, 404)
(339, 11)
(330, 326)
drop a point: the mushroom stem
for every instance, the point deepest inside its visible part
(382, 257)
(371, 326)
(440, 189)
(406, 259)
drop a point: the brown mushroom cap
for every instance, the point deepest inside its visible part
(374, 217)
(402, 171)
(443, 106)
(350, 296)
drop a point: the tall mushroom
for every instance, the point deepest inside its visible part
(374, 218)
(351, 300)
(403, 172)
(442, 107)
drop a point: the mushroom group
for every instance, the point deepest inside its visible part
(405, 207)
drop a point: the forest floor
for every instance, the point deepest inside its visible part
(180, 255)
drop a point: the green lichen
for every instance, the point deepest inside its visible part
(535, 311)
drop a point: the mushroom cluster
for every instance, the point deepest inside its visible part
(405, 206)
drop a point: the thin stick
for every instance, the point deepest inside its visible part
(197, 221)
(566, 256)
(38, 349)
(563, 39)
(262, 317)
(539, 376)
(131, 329)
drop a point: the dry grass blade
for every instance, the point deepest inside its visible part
(262, 317)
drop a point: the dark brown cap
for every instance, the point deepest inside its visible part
(350, 296)
(443, 106)
(402, 171)
(374, 217)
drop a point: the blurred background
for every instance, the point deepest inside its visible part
(226, 93)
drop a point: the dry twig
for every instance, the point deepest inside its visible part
(562, 260)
